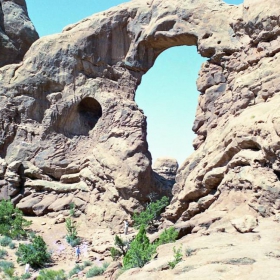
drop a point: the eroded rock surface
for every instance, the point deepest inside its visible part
(165, 170)
(70, 126)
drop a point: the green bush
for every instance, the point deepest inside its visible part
(12, 245)
(96, 270)
(71, 236)
(150, 214)
(5, 241)
(7, 268)
(48, 274)
(72, 207)
(122, 248)
(167, 236)
(35, 254)
(115, 253)
(25, 276)
(3, 253)
(6, 264)
(140, 251)
(177, 257)
(12, 223)
(76, 270)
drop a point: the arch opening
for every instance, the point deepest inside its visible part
(169, 97)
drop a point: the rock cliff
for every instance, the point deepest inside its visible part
(72, 132)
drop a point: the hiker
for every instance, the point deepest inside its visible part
(26, 270)
(125, 227)
(78, 252)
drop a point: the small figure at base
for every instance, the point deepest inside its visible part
(125, 227)
(77, 253)
(26, 269)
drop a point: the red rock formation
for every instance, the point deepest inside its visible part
(70, 125)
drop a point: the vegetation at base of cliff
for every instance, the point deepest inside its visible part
(93, 271)
(35, 254)
(148, 217)
(48, 274)
(97, 270)
(140, 250)
(12, 223)
(177, 257)
(72, 237)
(167, 236)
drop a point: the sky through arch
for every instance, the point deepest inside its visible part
(169, 97)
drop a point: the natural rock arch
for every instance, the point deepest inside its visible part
(113, 164)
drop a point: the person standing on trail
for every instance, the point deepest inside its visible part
(26, 269)
(78, 253)
(125, 227)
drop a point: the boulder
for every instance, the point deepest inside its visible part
(245, 224)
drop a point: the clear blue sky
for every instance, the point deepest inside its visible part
(167, 93)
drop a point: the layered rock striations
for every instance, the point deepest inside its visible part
(72, 132)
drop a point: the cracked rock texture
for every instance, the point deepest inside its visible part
(72, 132)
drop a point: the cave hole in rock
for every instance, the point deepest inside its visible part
(90, 111)
(169, 98)
(80, 119)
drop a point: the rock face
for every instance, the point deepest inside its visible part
(164, 174)
(237, 120)
(17, 32)
(71, 127)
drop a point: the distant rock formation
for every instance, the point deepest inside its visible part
(72, 132)
(165, 170)
(17, 32)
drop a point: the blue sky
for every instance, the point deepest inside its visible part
(167, 93)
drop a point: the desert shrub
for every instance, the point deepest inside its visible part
(5, 241)
(72, 207)
(6, 264)
(122, 247)
(75, 270)
(167, 236)
(49, 274)
(150, 214)
(71, 236)
(35, 254)
(115, 253)
(3, 253)
(140, 251)
(12, 245)
(7, 268)
(12, 223)
(31, 234)
(177, 257)
(25, 276)
(97, 270)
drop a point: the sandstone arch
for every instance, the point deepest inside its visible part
(113, 163)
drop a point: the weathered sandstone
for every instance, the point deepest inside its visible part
(70, 126)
